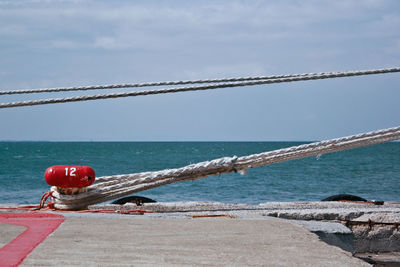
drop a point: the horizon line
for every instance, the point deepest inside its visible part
(167, 141)
(147, 141)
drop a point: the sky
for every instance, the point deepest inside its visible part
(76, 43)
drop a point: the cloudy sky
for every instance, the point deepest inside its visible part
(70, 43)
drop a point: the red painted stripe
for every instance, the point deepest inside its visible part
(39, 226)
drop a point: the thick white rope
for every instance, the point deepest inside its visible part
(248, 82)
(112, 187)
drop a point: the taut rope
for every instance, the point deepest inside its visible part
(111, 187)
(218, 84)
(148, 84)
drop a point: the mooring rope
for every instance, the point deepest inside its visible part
(152, 84)
(112, 187)
(116, 186)
(250, 81)
(148, 84)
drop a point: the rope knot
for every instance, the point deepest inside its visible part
(242, 171)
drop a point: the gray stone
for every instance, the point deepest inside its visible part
(334, 234)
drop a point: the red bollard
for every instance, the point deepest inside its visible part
(70, 176)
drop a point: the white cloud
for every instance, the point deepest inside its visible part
(65, 44)
(13, 30)
(132, 25)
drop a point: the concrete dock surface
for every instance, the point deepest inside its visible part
(116, 240)
(182, 234)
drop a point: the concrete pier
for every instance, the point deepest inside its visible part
(200, 234)
(116, 240)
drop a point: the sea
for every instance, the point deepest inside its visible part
(370, 172)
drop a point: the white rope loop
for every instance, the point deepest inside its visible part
(111, 187)
(221, 165)
(247, 82)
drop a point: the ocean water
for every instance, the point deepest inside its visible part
(370, 172)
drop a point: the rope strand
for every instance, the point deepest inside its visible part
(248, 82)
(148, 84)
(111, 187)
